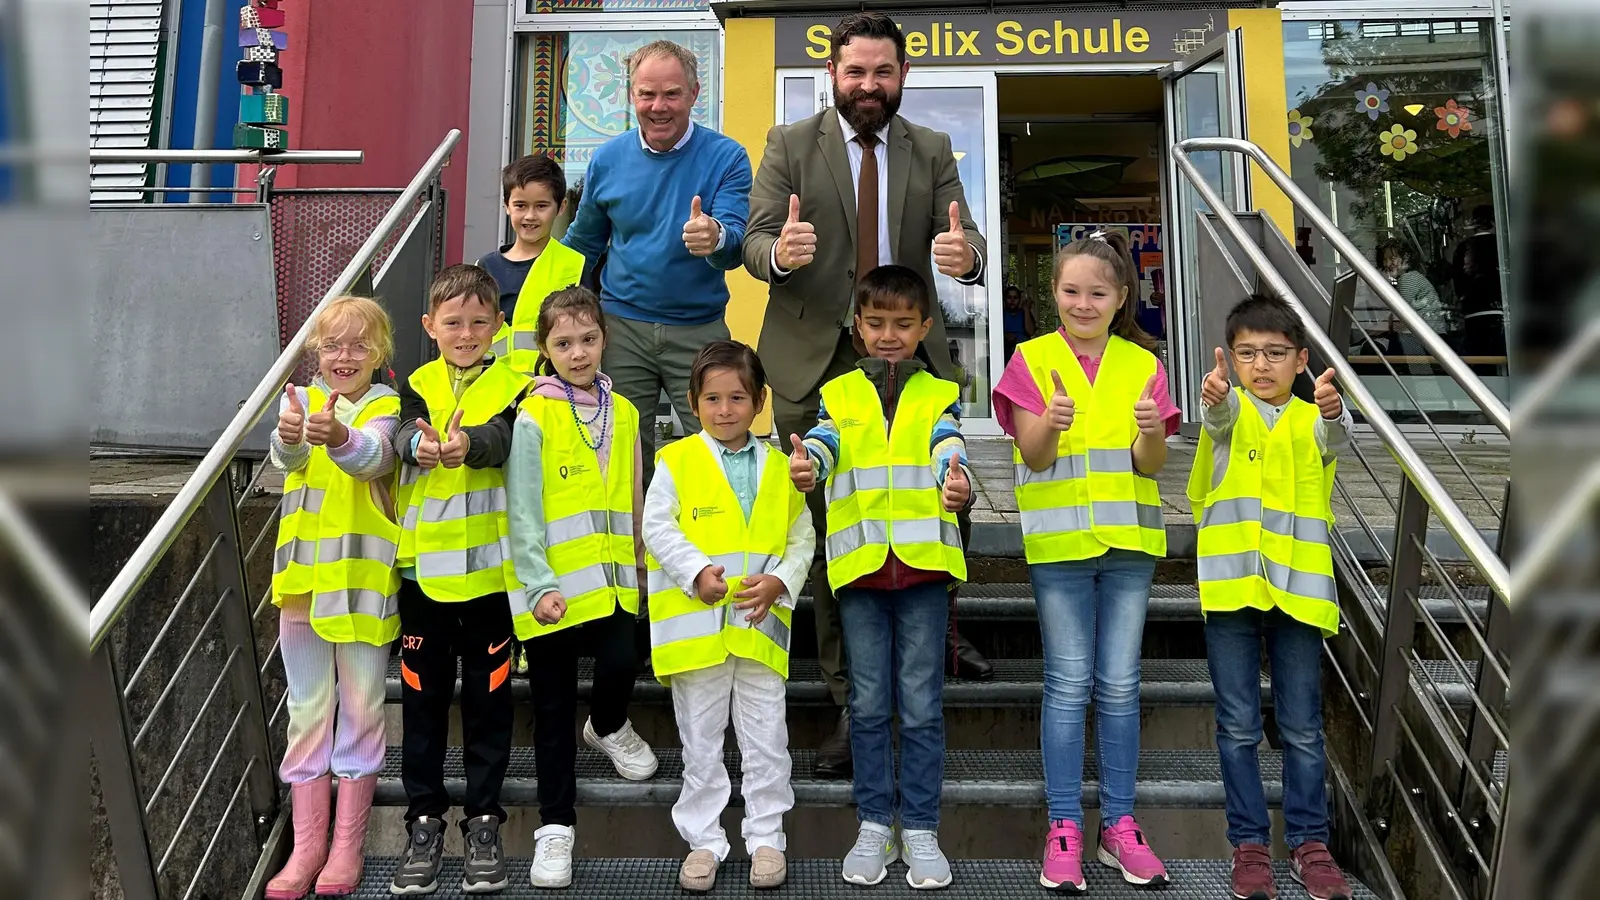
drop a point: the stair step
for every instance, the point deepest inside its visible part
(1171, 602)
(1017, 682)
(1171, 779)
(975, 879)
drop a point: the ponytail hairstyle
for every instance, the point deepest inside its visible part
(576, 301)
(1111, 248)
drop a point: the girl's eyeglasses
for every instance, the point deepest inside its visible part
(356, 352)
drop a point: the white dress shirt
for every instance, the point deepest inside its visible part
(682, 561)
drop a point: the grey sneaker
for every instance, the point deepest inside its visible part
(868, 861)
(419, 872)
(926, 866)
(485, 871)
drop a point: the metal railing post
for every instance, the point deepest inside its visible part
(229, 573)
(112, 741)
(1399, 630)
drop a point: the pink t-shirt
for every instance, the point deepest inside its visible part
(1017, 388)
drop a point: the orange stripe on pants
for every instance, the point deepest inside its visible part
(498, 676)
(410, 677)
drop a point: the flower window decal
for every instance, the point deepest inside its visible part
(1398, 142)
(1373, 100)
(1453, 118)
(1299, 127)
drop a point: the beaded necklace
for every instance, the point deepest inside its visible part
(599, 414)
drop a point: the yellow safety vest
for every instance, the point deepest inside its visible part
(557, 266)
(1091, 499)
(685, 633)
(455, 530)
(882, 492)
(588, 515)
(335, 544)
(1264, 528)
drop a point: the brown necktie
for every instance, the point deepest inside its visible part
(867, 207)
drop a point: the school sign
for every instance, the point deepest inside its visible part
(1099, 36)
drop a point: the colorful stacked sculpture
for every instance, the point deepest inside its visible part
(263, 114)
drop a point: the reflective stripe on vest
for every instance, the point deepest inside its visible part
(1264, 525)
(686, 634)
(455, 531)
(336, 546)
(883, 493)
(1091, 498)
(589, 524)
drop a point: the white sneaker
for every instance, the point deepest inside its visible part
(552, 857)
(868, 861)
(633, 758)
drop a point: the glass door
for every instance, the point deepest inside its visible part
(1204, 97)
(960, 103)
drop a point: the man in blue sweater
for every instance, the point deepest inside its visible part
(667, 204)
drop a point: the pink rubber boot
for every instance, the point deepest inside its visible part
(342, 874)
(309, 801)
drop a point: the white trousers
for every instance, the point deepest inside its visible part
(702, 701)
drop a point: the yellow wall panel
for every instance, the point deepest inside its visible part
(748, 110)
(1266, 106)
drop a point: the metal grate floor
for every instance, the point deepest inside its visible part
(975, 879)
(1167, 779)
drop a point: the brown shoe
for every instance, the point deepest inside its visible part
(768, 868)
(1252, 873)
(1312, 865)
(699, 871)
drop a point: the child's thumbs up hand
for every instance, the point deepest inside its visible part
(1147, 412)
(1214, 389)
(957, 489)
(709, 585)
(951, 252)
(292, 421)
(453, 451)
(801, 470)
(1060, 410)
(1327, 396)
(700, 233)
(427, 446)
(322, 429)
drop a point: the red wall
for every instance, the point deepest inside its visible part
(388, 77)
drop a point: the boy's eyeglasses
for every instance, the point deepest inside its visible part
(1274, 354)
(356, 352)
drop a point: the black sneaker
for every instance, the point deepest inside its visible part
(485, 871)
(419, 873)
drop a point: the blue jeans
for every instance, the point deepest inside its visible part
(1091, 619)
(1294, 650)
(894, 641)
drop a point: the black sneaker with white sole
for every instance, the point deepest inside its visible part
(485, 869)
(419, 872)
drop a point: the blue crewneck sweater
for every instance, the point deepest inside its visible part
(635, 204)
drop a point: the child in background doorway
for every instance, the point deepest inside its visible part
(730, 543)
(1087, 405)
(337, 613)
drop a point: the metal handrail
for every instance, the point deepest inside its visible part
(265, 157)
(132, 576)
(1433, 491)
(1447, 358)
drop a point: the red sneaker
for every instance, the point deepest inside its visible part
(1252, 873)
(1312, 865)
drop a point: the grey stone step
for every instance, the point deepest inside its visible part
(1017, 682)
(1172, 779)
(974, 879)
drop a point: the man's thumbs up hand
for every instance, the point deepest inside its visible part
(1327, 396)
(322, 429)
(292, 421)
(801, 470)
(1059, 412)
(427, 446)
(453, 452)
(797, 242)
(1214, 389)
(700, 233)
(957, 489)
(1147, 412)
(951, 252)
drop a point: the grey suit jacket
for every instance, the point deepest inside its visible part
(807, 309)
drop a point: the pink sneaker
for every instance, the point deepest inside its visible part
(1063, 858)
(1122, 847)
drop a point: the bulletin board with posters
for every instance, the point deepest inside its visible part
(1144, 244)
